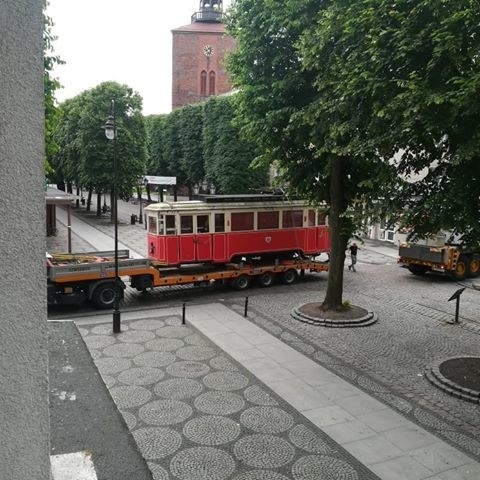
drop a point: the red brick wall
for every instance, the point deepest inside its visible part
(188, 61)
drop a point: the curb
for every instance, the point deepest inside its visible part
(434, 376)
(369, 319)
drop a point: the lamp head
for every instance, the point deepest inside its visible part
(110, 128)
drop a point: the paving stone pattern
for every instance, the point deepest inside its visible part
(395, 380)
(196, 414)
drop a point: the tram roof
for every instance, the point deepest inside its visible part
(202, 206)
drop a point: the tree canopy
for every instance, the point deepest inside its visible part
(407, 77)
(51, 85)
(85, 156)
(200, 143)
(352, 97)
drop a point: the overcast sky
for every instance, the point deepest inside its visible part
(127, 41)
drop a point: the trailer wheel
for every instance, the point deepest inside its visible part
(418, 269)
(289, 276)
(461, 270)
(266, 279)
(474, 266)
(242, 282)
(104, 295)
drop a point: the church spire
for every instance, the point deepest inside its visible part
(210, 11)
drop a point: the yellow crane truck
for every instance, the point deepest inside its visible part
(452, 260)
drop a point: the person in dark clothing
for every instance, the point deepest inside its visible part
(353, 256)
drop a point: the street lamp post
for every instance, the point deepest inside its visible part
(110, 128)
(140, 189)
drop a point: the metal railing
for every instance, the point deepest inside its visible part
(207, 16)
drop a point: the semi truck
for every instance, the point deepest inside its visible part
(452, 260)
(73, 279)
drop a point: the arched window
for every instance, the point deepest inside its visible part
(203, 83)
(211, 83)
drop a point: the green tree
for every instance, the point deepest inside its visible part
(406, 75)
(190, 138)
(51, 85)
(66, 161)
(280, 108)
(229, 159)
(86, 156)
(155, 130)
(173, 147)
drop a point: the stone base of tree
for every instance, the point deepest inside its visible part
(458, 376)
(354, 316)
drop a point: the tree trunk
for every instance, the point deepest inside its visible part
(339, 234)
(89, 200)
(149, 197)
(99, 203)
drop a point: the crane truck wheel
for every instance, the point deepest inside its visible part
(461, 270)
(474, 265)
(418, 269)
(104, 295)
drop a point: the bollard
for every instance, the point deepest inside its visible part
(133, 219)
(183, 313)
(246, 307)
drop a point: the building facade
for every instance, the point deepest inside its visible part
(24, 420)
(198, 52)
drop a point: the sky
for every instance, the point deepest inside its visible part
(127, 41)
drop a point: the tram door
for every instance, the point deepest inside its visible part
(203, 240)
(187, 239)
(171, 240)
(195, 239)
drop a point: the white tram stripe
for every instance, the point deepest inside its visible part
(73, 466)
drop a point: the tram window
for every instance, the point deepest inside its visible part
(292, 218)
(152, 225)
(311, 218)
(219, 222)
(322, 219)
(267, 220)
(170, 224)
(186, 224)
(242, 221)
(202, 224)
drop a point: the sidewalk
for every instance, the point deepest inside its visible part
(222, 398)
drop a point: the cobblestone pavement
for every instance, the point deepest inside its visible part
(196, 414)
(388, 359)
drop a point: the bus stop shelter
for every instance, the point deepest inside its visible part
(54, 198)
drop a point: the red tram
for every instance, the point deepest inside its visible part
(222, 229)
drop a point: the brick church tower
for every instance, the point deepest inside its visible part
(198, 50)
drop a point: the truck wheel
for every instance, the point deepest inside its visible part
(289, 276)
(266, 279)
(461, 270)
(241, 283)
(104, 295)
(418, 269)
(474, 266)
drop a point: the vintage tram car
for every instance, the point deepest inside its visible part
(223, 229)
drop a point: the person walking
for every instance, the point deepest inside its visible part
(353, 256)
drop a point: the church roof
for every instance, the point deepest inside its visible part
(201, 27)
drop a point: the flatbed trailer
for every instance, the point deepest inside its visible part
(76, 278)
(451, 260)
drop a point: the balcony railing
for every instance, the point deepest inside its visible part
(207, 16)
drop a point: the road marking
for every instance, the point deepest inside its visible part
(73, 466)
